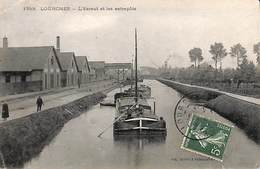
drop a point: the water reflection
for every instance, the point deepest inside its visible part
(139, 141)
(137, 144)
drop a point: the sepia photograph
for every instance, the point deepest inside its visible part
(129, 84)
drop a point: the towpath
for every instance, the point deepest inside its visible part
(24, 104)
(245, 98)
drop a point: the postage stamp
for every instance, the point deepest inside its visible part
(216, 133)
(183, 112)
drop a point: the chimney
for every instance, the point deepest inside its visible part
(5, 42)
(58, 44)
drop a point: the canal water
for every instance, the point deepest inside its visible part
(78, 147)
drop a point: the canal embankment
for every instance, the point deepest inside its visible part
(191, 92)
(25, 137)
(244, 114)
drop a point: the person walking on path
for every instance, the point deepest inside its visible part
(39, 103)
(78, 83)
(5, 111)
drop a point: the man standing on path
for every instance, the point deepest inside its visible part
(39, 103)
(78, 83)
(5, 111)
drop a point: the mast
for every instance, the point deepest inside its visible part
(136, 92)
(132, 71)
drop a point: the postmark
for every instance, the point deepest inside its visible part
(182, 114)
(213, 146)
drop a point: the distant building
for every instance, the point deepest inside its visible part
(146, 70)
(27, 69)
(69, 66)
(84, 69)
(119, 71)
(99, 68)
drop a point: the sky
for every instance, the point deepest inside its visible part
(165, 27)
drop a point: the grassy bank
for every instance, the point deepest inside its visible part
(244, 114)
(23, 138)
(244, 89)
(191, 92)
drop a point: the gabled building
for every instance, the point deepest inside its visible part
(84, 69)
(99, 69)
(70, 69)
(69, 74)
(28, 69)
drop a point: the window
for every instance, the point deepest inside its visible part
(72, 79)
(23, 78)
(52, 80)
(58, 80)
(7, 78)
(45, 80)
(52, 60)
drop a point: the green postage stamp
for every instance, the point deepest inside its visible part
(206, 137)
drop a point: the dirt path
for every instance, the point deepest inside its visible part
(23, 106)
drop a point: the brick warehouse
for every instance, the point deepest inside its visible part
(28, 69)
(37, 68)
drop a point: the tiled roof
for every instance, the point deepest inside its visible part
(24, 58)
(81, 60)
(65, 59)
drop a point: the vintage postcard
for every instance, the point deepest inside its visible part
(129, 84)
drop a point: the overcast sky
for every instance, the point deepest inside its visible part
(164, 27)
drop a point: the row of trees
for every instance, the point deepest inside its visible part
(218, 52)
(245, 71)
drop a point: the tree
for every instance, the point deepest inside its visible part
(229, 73)
(239, 52)
(206, 73)
(218, 53)
(195, 55)
(246, 72)
(257, 52)
(257, 73)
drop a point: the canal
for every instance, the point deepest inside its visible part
(78, 147)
